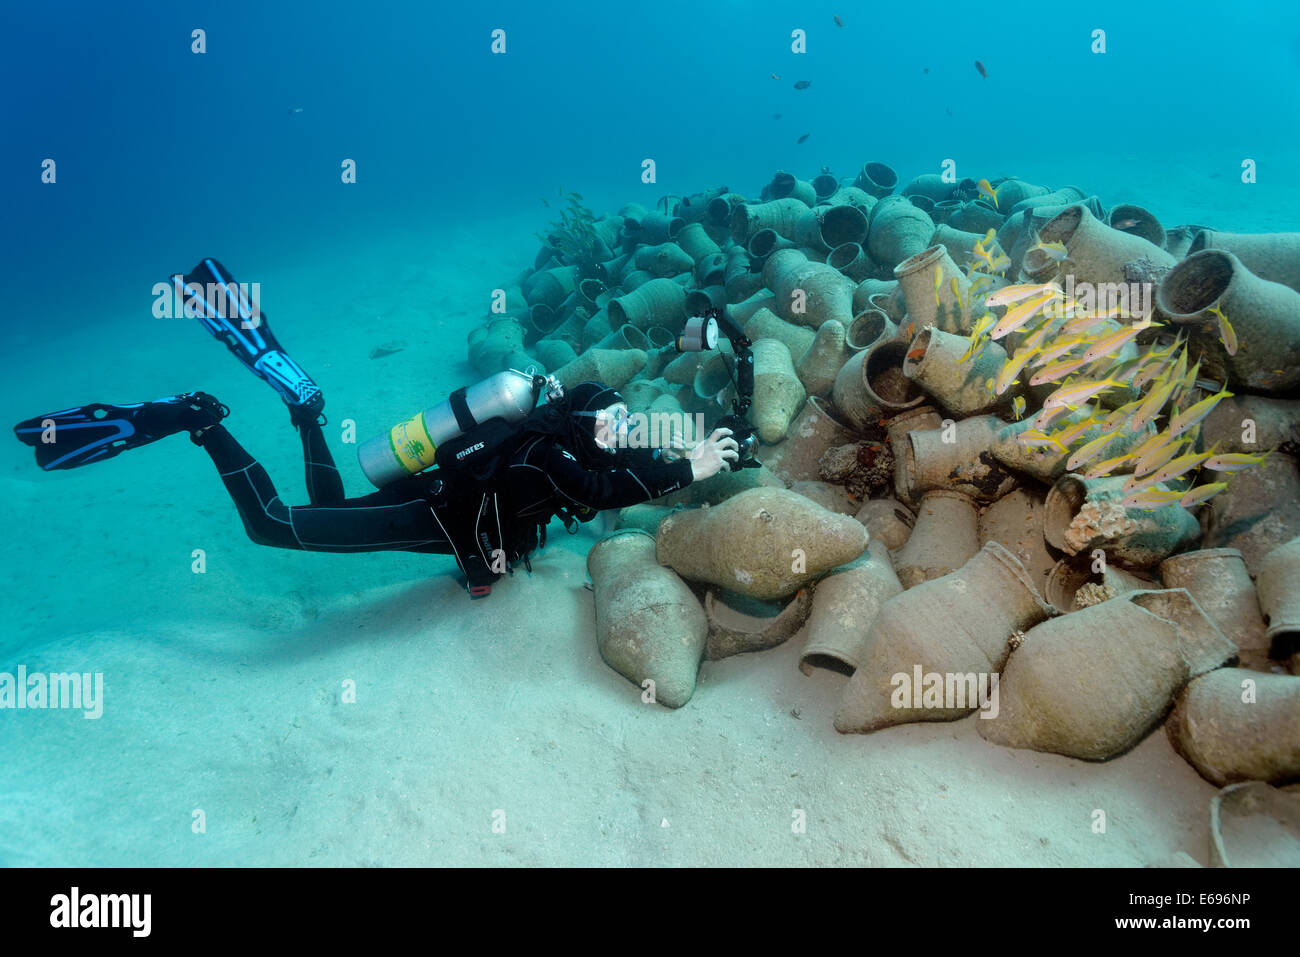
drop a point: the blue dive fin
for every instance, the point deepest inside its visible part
(211, 295)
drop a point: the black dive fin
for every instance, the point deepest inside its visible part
(92, 433)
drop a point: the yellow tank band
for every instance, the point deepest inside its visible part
(412, 446)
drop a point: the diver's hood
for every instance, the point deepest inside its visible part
(572, 420)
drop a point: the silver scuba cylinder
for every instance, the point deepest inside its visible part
(412, 446)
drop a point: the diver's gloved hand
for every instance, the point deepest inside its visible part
(714, 454)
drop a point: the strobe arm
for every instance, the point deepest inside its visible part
(741, 430)
(740, 347)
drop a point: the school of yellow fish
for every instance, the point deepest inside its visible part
(1061, 340)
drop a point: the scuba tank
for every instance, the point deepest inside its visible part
(412, 446)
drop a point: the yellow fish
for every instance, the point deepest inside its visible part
(1058, 370)
(1071, 433)
(1185, 385)
(1128, 407)
(1081, 322)
(1054, 251)
(1046, 417)
(1112, 343)
(1174, 468)
(1226, 334)
(1180, 342)
(977, 344)
(1158, 456)
(1116, 418)
(1101, 369)
(1151, 498)
(938, 283)
(1018, 407)
(984, 324)
(1152, 404)
(1180, 366)
(1186, 419)
(1020, 314)
(977, 339)
(987, 189)
(1109, 465)
(1235, 461)
(1155, 362)
(1011, 368)
(1088, 450)
(1148, 371)
(1201, 493)
(1039, 333)
(1120, 373)
(1058, 348)
(1114, 312)
(1015, 293)
(1062, 308)
(1151, 442)
(1077, 393)
(1035, 437)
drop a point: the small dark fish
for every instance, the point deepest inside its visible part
(802, 85)
(925, 69)
(804, 137)
(776, 116)
(949, 110)
(387, 349)
(983, 72)
(775, 77)
(545, 203)
(576, 195)
(838, 21)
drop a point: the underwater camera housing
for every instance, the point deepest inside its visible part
(745, 437)
(701, 334)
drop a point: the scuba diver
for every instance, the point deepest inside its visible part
(495, 488)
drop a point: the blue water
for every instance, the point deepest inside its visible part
(164, 155)
(162, 152)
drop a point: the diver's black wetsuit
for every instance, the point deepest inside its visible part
(541, 477)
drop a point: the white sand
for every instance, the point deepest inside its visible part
(505, 704)
(223, 690)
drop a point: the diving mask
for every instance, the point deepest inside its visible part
(611, 433)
